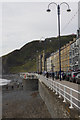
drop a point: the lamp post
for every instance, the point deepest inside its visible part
(58, 12)
(44, 52)
(37, 62)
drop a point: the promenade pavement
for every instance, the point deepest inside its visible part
(69, 84)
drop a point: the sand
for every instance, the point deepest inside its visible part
(23, 104)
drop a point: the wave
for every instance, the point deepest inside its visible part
(4, 82)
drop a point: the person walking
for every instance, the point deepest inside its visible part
(47, 74)
(53, 75)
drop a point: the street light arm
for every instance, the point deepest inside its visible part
(52, 3)
(66, 4)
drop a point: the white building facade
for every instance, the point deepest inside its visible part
(75, 55)
(79, 14)
(78, 31)
(75, 47)
(49, 65)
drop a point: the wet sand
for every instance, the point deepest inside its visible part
(19, 103)
(23, 104)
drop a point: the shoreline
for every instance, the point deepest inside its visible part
(19, 103)
(23, 104)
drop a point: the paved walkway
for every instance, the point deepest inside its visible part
(69, 84)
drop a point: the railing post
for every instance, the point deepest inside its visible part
(59, 92)
(56, 89)
(71, 106)
(49, 83)
(46, 81)
(53, 86)
(64, 95)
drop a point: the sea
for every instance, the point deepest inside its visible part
(4, 82)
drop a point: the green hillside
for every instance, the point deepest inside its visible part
(24, 59)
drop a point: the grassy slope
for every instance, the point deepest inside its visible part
(25, 58)
(29, 66)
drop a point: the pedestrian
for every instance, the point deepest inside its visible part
(53, 75)
(47, 74)
(58, 75)
(12, 86)
(64, 76)
(7, 87)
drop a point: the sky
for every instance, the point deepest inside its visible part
(22, 22)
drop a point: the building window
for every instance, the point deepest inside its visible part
(70, 53)
(73, 52)
(74, 44)
(70, 61)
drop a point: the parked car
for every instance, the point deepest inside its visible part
(68, 75)
(78, 78)
(73, 76)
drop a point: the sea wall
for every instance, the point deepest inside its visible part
(31, 84)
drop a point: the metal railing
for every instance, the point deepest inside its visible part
(28, 76)
(69, 94)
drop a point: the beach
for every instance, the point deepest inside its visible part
(22, 104)
(19, 103)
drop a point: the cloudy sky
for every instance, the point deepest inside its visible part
(23, 22)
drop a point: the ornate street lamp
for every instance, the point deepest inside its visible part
(58, 11)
